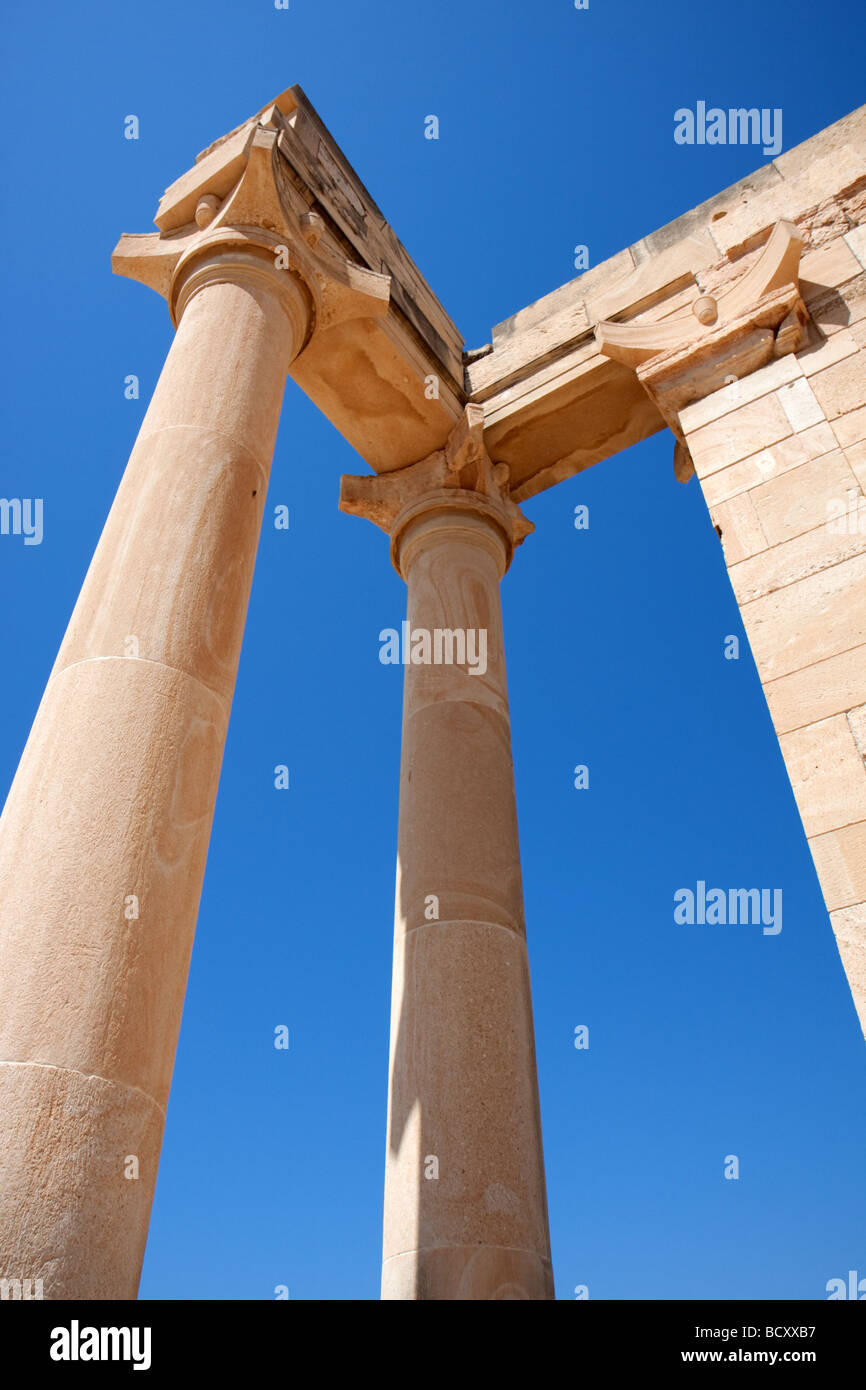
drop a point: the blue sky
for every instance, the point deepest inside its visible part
(556, 128)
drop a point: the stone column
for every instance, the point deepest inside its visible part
(105, 832)
(765, 391)
(465, 1203)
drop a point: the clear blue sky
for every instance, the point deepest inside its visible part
(556, 128)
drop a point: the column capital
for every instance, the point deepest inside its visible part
(458, 485)
(716, 340)
(236, 216)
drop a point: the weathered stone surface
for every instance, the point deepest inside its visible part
(739, 393)
(804, 497)
(735, 436)
(857, 725)
(782, 566)
(851, 428)
(849, 924)
(817, 691)
(798, 401)
(827, 774)
(72, 1213)
(841, 170)
(200, 465)
(840, 388)
(840, 858)
(829, 266)
(463, 1091)
(809, 620)
(856, 240)
(469, 1272)
(827, 352)
(856, 456)
(758, 468)
(134, 751)
(740, 527)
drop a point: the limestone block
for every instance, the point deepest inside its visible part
(851, 428)
(848, 132)
(799, 404)
(769, 463)
(669, 307)
(856, 456)
(856, 240)
(737, 435)
(831, 265)
(810, 620)
(820, 549)
(803, 497)
(841, 388)
(840, 859)
(817, 691)
(741, 531)
(739, 393)
(812, 183)
(857, 723)
(827, 352)
(849, 925)
(827, 774)
(564, 298)
(531, 347)
(832, 311)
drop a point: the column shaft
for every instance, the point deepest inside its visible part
(465, 1204)
(110, 811)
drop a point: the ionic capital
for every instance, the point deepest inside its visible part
(683, 358)
(236, 216)
(457, 488)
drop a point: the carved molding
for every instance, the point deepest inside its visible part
(772, 283)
